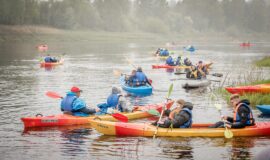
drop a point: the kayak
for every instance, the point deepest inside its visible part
(141, 90)
(52, 64)
(197, 130)
(245, 44)
(190, 48)
(66, 120)
(42, 47)
(157, 66)
(260, 88)
(191, 83)
(265, 109)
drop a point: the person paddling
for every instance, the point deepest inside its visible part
(242, 114)
(72, 104)
(180, 117)
(141, 78)
(131, 79)
(116, 102)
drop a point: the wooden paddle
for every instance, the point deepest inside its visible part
(117, 116)
(227, 133)
(169, 93)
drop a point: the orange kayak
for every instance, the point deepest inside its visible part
(65, 119)
(260, 88)
(197, 130)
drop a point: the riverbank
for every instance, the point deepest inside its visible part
(265, 62)
(41, 34)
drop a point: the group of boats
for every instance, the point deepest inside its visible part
(113, 125)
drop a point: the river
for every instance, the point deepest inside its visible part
(90, 66)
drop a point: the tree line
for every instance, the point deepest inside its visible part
(158, 16)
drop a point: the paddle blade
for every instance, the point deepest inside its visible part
(53, 94)
(228, 133)
(218, 106)
(170, 90)
(120, 117)
(153, 112)
(117, 73)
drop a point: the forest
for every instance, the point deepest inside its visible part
(155, 16)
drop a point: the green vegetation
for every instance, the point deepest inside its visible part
(254, 98)
(265, 62)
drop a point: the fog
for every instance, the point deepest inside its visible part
(155, 16)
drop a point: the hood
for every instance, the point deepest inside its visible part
(188, 105)
(246, 101)
(115, 90)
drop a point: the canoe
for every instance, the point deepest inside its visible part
(66, 120)
(46, 64)
(191, 83)
(197, 130)
(265, 109)
(141, 90)
(260, 88)
(158, 66)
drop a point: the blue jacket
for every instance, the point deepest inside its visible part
(72, 103)
(189, 122)
(112, 102)
(169, 61)
(141, 78)
(164, 52)
(48, 59)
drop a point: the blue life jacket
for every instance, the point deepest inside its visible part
(169, 61)
(48, 59)
(250, 120)
(178, 62)
(66, 103)
(113, 101)
(189, 122)
(141, 78)
(164, 52)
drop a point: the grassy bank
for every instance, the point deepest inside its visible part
(265, 62)
(47, 34)
(254, 98)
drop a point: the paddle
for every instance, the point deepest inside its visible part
(53, 95)
(169, 93)
(153, 112)
(174, 79)
(117, 116)
(227, 133)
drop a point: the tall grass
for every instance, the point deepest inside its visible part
(265, 62)
(252, 77)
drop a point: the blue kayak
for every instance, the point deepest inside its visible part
(265, 109)
(190, 48)
(141, 90)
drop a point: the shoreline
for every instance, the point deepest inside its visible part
(22, 33)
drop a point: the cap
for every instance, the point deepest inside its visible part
(75, 89)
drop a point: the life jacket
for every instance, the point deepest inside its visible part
(141, 78)
(189, 122)
(113, 101)
(164, 52)
(169, 61)
(66, 104)
(178, 62)
(47, 59)
(237, 118)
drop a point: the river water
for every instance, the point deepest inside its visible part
(90, 66)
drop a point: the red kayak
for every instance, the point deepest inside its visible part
(260, 88)
(245, 44)
(157, 66)
(51, 64)
(65, 119)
